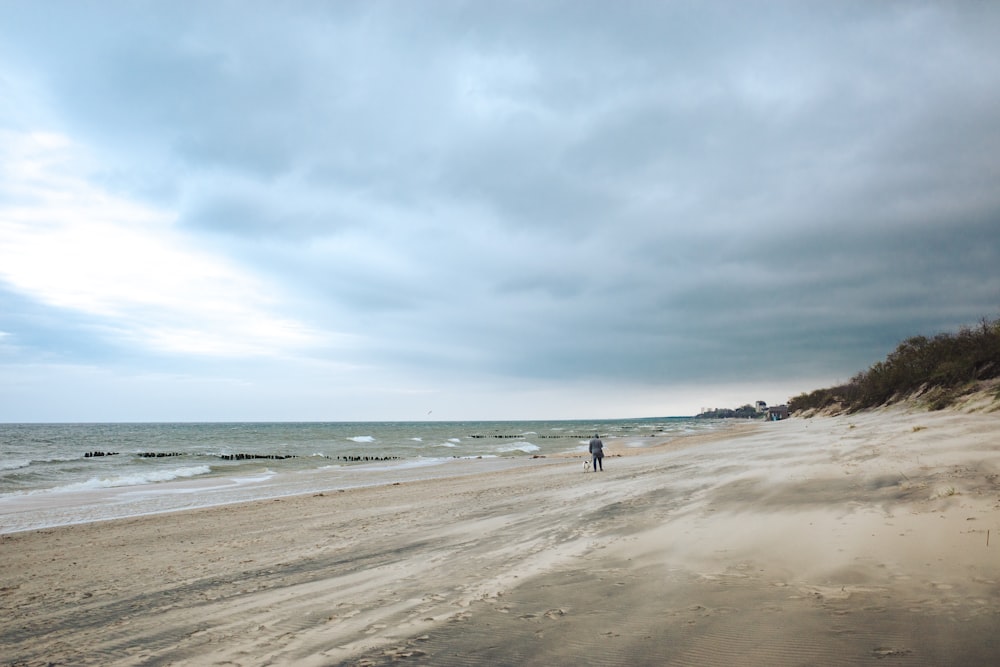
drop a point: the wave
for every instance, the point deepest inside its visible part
(138, 479)
(421, 462)
(18, 464)
(362, 438)
(525, 447)
(268, 474)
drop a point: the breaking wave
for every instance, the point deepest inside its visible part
(137, 479)
(525, 447)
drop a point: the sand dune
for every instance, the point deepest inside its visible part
(868, 539)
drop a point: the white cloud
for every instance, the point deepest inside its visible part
(72, 245)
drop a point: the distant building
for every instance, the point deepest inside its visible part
(777, 413)
(761, 407)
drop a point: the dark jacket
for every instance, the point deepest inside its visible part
(597, 447)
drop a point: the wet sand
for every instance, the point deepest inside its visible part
(864, 539)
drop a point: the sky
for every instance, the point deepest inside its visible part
(449, 210)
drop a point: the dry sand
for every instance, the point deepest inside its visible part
(868, 539)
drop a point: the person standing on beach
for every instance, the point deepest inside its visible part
(597, 452)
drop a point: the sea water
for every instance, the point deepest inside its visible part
(55, 474)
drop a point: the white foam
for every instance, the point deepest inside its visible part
(258, 478)
(525, 447)
(137, 479)
(421, 462)
(362, 438)
(14, 465)
(196, 487)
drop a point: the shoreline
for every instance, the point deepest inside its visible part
(832, 540)
(50, 508)
(47, 510)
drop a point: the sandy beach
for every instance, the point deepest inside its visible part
(865, 539)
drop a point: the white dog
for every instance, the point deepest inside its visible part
(586, 466)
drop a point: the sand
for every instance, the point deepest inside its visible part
(864, 539)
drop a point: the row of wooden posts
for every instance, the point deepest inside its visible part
(245, 457)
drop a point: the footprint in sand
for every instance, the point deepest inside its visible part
(402, 652)
(372, 629)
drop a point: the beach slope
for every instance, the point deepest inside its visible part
(865, 539)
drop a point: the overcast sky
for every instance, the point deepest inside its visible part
(464, 210)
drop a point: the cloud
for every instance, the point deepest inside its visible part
(72, 246)
(465, 195)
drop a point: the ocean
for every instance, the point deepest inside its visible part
(57, 474)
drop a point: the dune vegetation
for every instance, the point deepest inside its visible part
(937, 371)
